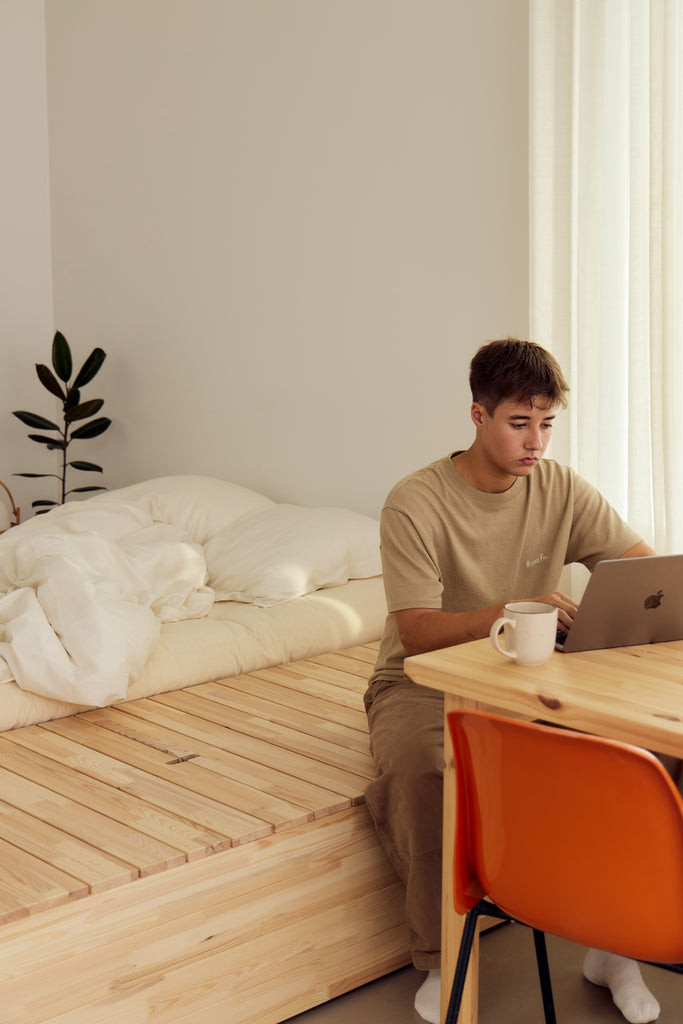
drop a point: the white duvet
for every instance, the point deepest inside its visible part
(83, 593)
(132, 593)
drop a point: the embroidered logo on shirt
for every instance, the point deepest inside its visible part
(537, 561)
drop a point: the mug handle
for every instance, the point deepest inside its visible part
(495, 630)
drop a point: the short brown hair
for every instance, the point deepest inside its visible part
(514, 369)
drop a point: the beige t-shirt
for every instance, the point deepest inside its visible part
(448, 546)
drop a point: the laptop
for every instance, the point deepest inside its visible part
(628, 601)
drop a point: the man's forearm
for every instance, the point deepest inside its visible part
(427, 629)
(424, 629)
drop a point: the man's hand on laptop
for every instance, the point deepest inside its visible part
(566, 608)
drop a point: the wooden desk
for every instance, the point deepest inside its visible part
(628, 693)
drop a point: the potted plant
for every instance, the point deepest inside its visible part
(74, 411)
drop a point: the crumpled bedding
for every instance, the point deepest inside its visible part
(107, 600)
(83, 594)
(233, 638)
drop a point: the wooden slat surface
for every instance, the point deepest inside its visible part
(99, 799)
(254, 935)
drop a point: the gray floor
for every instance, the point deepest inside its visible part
(508, 989)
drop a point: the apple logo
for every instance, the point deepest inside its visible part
(654, 600)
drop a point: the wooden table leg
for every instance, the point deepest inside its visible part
(451, 923)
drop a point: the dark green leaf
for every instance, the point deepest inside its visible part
(35, 476)
(89, 467)
(61, 357)
(92, 429)
(81, 412)
(39, 422)
(49, 381)
(50, 441)
(42, 501)
(90, 367)
(82, 490)
(73, 397)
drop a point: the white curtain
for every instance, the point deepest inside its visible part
(606, 200)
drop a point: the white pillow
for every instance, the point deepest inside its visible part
(199, 505)
(276, 553)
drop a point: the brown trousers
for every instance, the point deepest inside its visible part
(405, 801)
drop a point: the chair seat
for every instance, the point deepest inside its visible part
(555, 828)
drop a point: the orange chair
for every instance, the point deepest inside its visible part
(567, 833)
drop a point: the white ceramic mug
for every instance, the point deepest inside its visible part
(530, 628)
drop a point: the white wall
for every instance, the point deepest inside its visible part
(289, 223)
(25, 286)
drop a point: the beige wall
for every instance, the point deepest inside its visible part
(289, 223)
(25, 287)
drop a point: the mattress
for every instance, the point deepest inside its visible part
(233, 638)
(306, 582)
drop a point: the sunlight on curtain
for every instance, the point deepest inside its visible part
(606, 243)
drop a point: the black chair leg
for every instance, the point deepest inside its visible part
(544, 977)
(464, 953)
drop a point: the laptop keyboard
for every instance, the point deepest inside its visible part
(560, 637)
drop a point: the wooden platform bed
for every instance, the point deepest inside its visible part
(183, 836)
(198, 856)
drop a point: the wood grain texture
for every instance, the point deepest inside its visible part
(631, 693)
(202, 855)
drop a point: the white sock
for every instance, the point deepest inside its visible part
(428, 998)
(622, 977)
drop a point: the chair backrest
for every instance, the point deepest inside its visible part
(575, 835)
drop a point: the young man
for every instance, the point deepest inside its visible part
(477, 528)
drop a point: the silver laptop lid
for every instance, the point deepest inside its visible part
(630, 601)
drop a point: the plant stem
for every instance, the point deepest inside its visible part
(66, 431)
